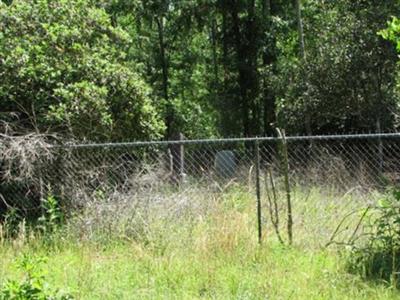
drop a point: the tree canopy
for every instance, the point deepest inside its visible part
(136, 69)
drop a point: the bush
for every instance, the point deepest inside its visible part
(64, 67)
(379, 256)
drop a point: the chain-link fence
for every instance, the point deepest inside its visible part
(176, 171)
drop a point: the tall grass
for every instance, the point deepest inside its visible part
(198, 245)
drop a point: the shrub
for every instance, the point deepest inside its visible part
(379, 256)
(64, 66)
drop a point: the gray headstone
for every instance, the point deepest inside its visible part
(225, 163)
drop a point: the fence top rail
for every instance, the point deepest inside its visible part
(231, 140)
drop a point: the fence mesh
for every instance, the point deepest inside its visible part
(341, 171)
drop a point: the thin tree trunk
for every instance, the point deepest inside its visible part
(164, 67)
(253, 37)
(268, 58)
(214, 56)
(303, 59)
(300, 30)
(225, 103)
(241, 65)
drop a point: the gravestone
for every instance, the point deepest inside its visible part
(225, 163)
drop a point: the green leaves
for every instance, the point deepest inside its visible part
(347, 84)
(392, 33)
(52, 216)
(34, 285)
(377, 257)
(64, 67)
(119, 70)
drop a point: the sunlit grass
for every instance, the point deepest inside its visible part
(212, 255)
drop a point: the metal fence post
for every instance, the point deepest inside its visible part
(178, 160)
(380, 148)
(285, 169)
(258, 190)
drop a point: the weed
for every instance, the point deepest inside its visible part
(11, 222)
(379, 256)
(52, 215)
(33, 286)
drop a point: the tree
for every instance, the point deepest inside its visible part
(173, 46)
(241, 37)
(349, 83)
(215, 67)
(392, 34)
(64, 68)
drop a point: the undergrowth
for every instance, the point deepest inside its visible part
(377, 257)
(33, 286)
(190, 246)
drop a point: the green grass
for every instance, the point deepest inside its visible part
(206, 256)
(130, 271)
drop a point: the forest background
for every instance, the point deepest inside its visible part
(121, 70)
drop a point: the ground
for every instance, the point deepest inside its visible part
(214, 255)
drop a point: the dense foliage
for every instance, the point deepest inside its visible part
(64, 68)
(378, 257)
(347, 82)
(136, 69)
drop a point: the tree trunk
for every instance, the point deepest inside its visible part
(300, 30)
(241, 66)
(246, 55)
(268, 59)
(214, 58)
(303, 61)
(164, 67)
(253, 36)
